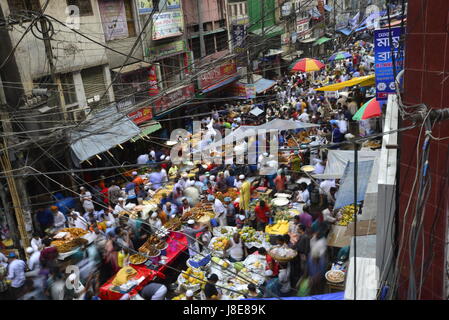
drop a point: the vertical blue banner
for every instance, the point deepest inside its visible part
(385, 78)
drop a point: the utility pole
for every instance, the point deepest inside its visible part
(11, 221)
(201, 30)
(56, 79)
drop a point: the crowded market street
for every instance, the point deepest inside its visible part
(190, 185)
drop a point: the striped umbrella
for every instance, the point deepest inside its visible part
(371, 109)
(307, 65)
(340, 56)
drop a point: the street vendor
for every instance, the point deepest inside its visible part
(191, 231)
(271, 263)
(235, 248)
(245, 195)
(59, 218)
(230, 211)
(210, 290)
(219, 210)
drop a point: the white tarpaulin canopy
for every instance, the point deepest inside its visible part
(281, 124)
(337, 160)
(245, 131)
(108, 129)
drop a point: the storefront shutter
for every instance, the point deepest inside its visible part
(94, 84)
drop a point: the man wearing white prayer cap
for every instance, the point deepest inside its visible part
(238, 183)
(189, 295)
(190, 231)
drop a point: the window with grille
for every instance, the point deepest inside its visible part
(222, 41)
(195, 47)
(209, 42)
(85, 7)
(20, 5)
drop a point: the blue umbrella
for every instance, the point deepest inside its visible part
(340, 56)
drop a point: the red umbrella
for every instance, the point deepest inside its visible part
(371, 109)
(307, 65)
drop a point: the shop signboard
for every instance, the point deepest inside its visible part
(138, 116)
(141, 115)
(174, 98)
(218, 74)
(167, 49)
(239, 33)
(244, 90)
(384, 52)
(145, 6)
(113, 18)
(167, 24)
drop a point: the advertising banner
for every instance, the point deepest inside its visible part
(113, 18)
(152, 79)
(218, 74)
(385, 78)
(174, 98)
(244, 90)
(146, 6)
(142, 115)
(238, 34)
(166, 49)
(167, 24)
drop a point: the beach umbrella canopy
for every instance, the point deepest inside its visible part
(307, 65)
(371, 109)
(340, 56)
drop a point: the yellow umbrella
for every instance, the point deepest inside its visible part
(364, 81)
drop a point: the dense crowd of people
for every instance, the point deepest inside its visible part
(99, 208)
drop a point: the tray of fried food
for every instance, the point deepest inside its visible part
(75, 232)
(66, 246)
(137, 259)
(173, 224)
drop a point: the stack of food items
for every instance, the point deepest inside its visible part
(68, 239)
(173, 224)
(280, 228)
(192, 279)
(231, 193)
(251, 237)
(348, 214)
(282, 216)
(282, 254)
(218, 243)
(150, 247)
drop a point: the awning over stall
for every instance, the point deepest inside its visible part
(264, 84)
(146, 130)
(108, 128)
(364, 81)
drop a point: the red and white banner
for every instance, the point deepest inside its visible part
(218, 74)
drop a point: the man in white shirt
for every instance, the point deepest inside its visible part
(143, 159)
(326, 185)
(33, 262)
(120, 206)
(342, 125)
(219, 210)
(319, 167)
(86, 199)
(16, 273)
(305, 196)
(76, 221)
(304, 117)
(329, 216)
(59, 218)
(36, 242)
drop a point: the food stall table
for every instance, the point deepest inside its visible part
(175, 247)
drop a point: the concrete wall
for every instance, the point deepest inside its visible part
(73, 51)
(210, 8)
